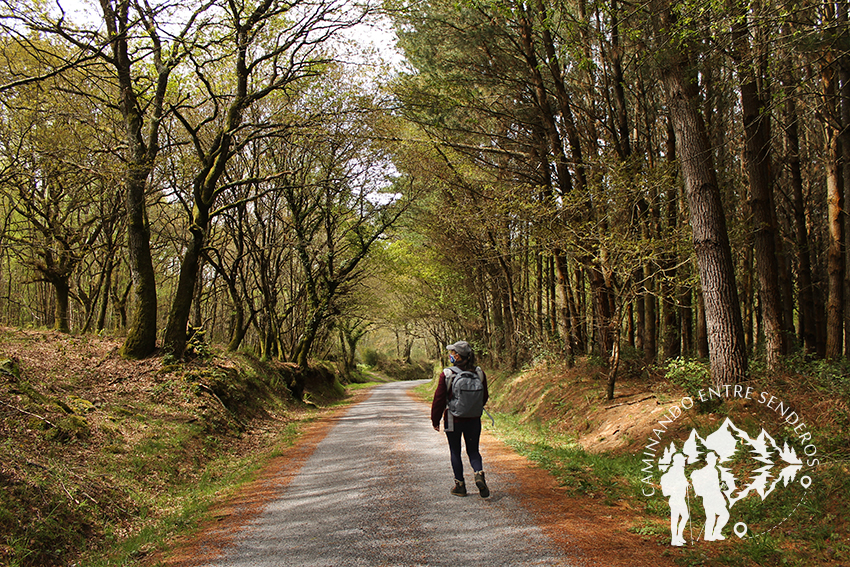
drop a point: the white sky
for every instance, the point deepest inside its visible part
(373, 38)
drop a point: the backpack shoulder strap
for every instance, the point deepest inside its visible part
(481, 377)
(449, 373)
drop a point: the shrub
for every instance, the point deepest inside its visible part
(401, 370)
(693, 376)
(371, 357)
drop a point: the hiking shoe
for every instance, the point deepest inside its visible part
(460, 488)
(481, 484)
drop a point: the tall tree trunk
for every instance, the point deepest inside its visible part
(701, 328)
(686, 317)
(239, 326)
(650, 299)
(509, 329)
(493, 305)
(204, 194)
(120, 302)
(551, 298)
(671, 328)
(565, 328)
(197, 297)
(141, 333)
(181, 306)
(62, 309)
(205, 185)
(748, 292)
(806, 299)
(507, 298)
(603, 296)
(104, 292)
(756, 118)
(547, 117)
(622, 140)
(602, 312)
(676, 327)
(640, 314)
(727, 350)
(538, 295)
(834, 196)
(141, 152)
(576, 310)
(844, 77)
(651, 322)
(305, 345)
(559, 275)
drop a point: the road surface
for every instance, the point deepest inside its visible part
(375, 491)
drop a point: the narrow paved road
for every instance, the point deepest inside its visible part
(376, 492)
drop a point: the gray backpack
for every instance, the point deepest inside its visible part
(467, 390)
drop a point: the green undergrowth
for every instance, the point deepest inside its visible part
(189, 505)
(105, 460)
(394, 368)
(608, 478)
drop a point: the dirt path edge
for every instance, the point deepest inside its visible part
(217, 534)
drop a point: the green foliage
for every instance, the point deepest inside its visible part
(10, 367)
(69, 428)
(649, 527)
(197, 346)
(371, 357)
(826, 380)
(42, 541)
(224, 473)
(356, 376)
(831, 377)
(422, 288)
(692, 375)
(597, 361)
(544, 355)
(397, 369)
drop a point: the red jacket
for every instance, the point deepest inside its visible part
(438, 406)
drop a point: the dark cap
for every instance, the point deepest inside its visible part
(462, 348)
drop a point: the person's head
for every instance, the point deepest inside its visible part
(460, 354)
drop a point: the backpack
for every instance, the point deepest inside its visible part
(467, 389)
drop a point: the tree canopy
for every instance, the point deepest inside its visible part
(547, 177)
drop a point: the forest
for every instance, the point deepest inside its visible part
(565, 178)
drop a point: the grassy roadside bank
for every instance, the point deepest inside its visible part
(559, 419)
(105, 460)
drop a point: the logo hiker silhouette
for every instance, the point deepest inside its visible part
(706, 483)
(674, 484)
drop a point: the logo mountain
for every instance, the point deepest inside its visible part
(722, 469)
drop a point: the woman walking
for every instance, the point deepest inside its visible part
(459, 400)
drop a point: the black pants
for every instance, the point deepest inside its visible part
(470, 431)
